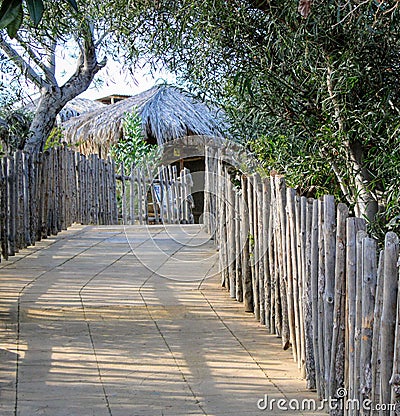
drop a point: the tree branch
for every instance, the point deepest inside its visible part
(48, 74)
(51, 58)
(87, 66)
(26, 69)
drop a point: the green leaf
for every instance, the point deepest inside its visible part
(73, 4)
(13, 27)
(9, 12)
(36, 9)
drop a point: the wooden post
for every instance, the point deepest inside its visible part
(266, 190)
(339, 304)
(222, 228)
(254, 232)
(293, 276)
(250, 202)
(12, 206)
(329, 297)
(314, 257)
(132, 195)
(307, 300)
(238, 246)
(123, 194)
(271, 259)
(246, 270)
(368, 302)
(139, 178)
(395, 379)
(4, 208)
(360, 236)
(354, 225)
(207, 190)
(260, 247)
(321, 302)
(277, 260)
(231, 246)
(300, 204)
(388, 322)
(376, 334)
(281, 199)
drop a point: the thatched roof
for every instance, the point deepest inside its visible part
(167, 114)
(74, 108)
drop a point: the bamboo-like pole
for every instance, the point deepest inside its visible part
(293, 276)
(281, 200)
(321, 292)
(369, 273)
(255, 234)
(231, 246)
(353, 226)
(314, 294)
(260, 247)
(246, 268)
(388, 321)
(238, 248)
(266, 190)
(376, 335)
(329, 297)
(360, 236)
(307, 299)
(339, 307)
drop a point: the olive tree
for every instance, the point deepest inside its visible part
(32, 48)
(323, 74)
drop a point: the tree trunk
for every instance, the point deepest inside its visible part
(53, 98)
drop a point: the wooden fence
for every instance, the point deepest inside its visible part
(43, 194)
(155, 196)
(312, 276)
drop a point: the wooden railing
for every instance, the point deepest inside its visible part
(42, 194)
(155, 196)
(311, 275)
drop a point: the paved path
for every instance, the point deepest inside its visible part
(106, 321)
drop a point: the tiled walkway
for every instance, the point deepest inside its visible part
(130, 321)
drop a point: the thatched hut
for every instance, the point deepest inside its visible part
(168, 115)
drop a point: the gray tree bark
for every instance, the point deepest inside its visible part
(54, 97)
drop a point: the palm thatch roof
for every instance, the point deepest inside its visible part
(74, 108)
(167, 113)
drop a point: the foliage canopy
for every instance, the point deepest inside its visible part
(323, 90)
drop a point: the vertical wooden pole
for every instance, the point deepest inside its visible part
(246, 270)
(292, 257)
(360, 236)
(222, 240)
(389, 308)
(321, 292)
(266, 190)
(123, 194)
(376, 334)
(4, 208)
(271, 258)
(307, 300)
(238, 246)
(339, 304)
(368, 303)
(300, 208)
(231, 246)
(354, 225)
(314, 293)
(281, 199)
(260, 248)
(254, 233)
(329, 297)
